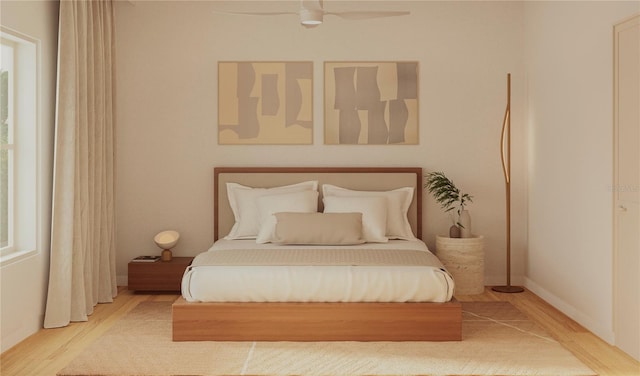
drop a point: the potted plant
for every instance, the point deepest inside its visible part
(450, 198)
(462, 253)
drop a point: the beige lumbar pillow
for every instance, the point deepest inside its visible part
(318, 228)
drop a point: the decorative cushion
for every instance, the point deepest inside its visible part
(318, 228)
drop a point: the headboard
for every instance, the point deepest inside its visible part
(357, 178)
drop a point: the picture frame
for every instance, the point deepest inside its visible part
(371, 103)
(265, 102)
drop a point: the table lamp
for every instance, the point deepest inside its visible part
(166, 240)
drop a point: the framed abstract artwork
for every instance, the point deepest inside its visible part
(265, 103)
(371, 103)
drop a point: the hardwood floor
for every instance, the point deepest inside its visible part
(50, 350)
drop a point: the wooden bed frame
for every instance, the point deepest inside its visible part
(316, 321)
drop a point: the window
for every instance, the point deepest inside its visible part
(18, 143)
(6, 145)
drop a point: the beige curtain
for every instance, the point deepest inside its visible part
(82, 270)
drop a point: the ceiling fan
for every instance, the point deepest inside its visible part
(312, 13)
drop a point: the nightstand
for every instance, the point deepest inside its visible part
(159, 275)
(464, 259)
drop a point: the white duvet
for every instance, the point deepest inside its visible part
(316, 283)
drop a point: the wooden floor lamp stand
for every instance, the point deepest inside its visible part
(505, 143)
(507, 289)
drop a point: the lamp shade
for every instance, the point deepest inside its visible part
(311, 17)
(166, 239)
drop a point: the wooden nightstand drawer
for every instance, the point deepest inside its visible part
(159, 275)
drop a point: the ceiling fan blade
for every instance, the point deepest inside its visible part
(254, 13)
(367, 14)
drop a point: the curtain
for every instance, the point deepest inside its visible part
(82, 261)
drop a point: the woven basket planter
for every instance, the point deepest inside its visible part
(464, 259)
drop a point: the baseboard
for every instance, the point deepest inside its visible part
(572, 312)
(28, 328)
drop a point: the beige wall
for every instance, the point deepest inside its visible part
(570, 116)
(24, 280)
(167, 109)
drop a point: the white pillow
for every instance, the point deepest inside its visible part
(398, 202)
(243, 202)
(295, 202)
(374, 214)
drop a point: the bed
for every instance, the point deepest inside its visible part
(246, 288)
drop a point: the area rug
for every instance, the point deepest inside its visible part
(497, 340)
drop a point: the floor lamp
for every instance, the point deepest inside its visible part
(505, 148)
